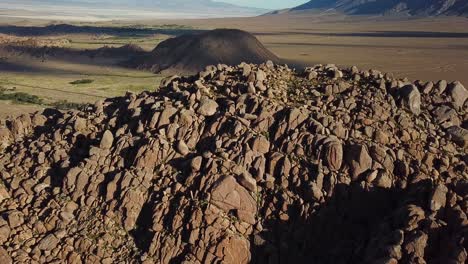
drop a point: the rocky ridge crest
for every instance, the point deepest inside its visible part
(252, 163)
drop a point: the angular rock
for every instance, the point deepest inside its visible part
(458, 93)
(358, 158)
(228, 195)
(48, 243)
(459, 135)
(411, 98)
(438, 198)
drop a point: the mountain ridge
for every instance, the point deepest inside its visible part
(389, 7)
(207, 6)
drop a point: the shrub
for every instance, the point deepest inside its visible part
(83, 81)
(65, 105)
(21, 97)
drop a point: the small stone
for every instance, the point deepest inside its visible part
(334, 155)
(15, 219)
(315, 192)
(359, 159)
(246, 180)
(261, 145)
(80, 124)
(441, 87)
(246, 70)
(207, 107)
(107, 140)
(260, 76)
(312, 75)
(438, 198)
(459, 135)
(458, 93)
(251, 88)
(182, 148)
(48, 243)
(411, 98)
(196, 163)
(382, 137)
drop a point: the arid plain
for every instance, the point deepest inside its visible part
(417, 48)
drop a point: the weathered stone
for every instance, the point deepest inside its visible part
(182, 148)
(15, 219)
(441, 86)
(411, 99)
(246, 70)
(5, 257)
(196, 162)
(260, 75)
(358, 158)
(48, 243)
(438, 198)
(459, 135)
(228, 195)
(207, 107)
(444, 113)
(107, 140)
(458, 93)
(246, 180)
(261, 145)
(281, 169)
(80, 124)
(334, 155)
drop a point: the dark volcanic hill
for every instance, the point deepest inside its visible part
(192, 52)
(390, 7)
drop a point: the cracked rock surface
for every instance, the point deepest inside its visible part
(243, 164)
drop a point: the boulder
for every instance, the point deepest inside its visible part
(410, 98)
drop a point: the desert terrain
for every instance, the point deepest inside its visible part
(298, 137)
(417, 48)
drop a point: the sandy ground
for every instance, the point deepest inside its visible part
(7, 109)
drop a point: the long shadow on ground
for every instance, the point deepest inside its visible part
(375, 34)
(72, 29)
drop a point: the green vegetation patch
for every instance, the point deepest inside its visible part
(65, 105)
(21, 98)
(83, 81)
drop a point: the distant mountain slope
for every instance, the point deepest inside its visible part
(390, 7)
(207, 6)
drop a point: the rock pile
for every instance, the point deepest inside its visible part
(253, 163)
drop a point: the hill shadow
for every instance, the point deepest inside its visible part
(105, 56)
(355, 225)
(375, 34)
(34, 31)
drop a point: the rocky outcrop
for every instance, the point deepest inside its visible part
(242, 164)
